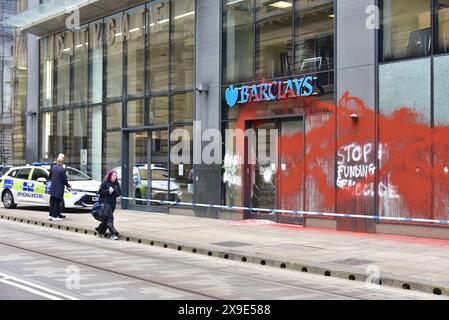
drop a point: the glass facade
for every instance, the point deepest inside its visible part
(113, 94)
(121, 78)
(413, 28)
(81, 65)
(158, 56)
(263, 42)
(395, 98)
(412, 97)
(13, 74)
(265, 39)
(114, 56)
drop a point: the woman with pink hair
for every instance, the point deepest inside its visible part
(109, 191)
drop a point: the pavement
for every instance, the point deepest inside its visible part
(394, 261)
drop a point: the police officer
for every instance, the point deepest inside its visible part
(58, 183)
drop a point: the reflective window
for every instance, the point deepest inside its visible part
(47, 135)
(23, 174)
(46, 72)
(63, 134)
(183, 44)
(274, 43)
(158, 46)
(78, 142)
(114, 56)
(135, 113)
(406, 29)
(158, 110)
(443, 26)
(113, 116)
(64, 47)
(80, 69)
(135, 21)
(160, 187)
(238, 41)
(18, 125)
(137, 172)
(96, 56)
(183, 107)
(112, 151)
(314, 43)
(39, 173)
(81, 65)
(182, 172)
(269, 8)
(95, 143)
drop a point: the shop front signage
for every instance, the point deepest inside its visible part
(270, 91)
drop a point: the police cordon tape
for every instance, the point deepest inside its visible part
(293, 212)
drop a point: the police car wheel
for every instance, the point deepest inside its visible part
(8, 200)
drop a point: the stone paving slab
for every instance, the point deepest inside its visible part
(418, 263)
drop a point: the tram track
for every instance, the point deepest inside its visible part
(163, 260)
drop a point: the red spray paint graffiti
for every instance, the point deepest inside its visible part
(341, 162)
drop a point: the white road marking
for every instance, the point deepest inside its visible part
(34, 288)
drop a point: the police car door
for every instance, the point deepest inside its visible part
(41, 195)
(22, 186)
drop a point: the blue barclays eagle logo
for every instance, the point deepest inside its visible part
(232, 95)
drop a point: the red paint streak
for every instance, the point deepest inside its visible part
(405, 168)
(356, 235)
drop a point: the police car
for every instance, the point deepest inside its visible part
(160, 187)
(29, 185)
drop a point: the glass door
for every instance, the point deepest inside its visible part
(261, 168)
(274, 168)
(159, 180)
(148, 171)
(291, 179)
(138, 167)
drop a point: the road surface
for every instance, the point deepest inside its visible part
(48, 264)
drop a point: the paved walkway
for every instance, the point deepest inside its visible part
(405, 262)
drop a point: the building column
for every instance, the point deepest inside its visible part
(32, 101)
(207, 178)
(356, 76)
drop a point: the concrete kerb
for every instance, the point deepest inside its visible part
(323, 269)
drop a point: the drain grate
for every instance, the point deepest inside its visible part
(231, 244)
(354, 262)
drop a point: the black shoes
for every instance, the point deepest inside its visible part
(98, 233)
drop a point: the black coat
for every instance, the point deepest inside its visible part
(109, 199)
(58, 182)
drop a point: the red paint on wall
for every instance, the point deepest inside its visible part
(342, 151)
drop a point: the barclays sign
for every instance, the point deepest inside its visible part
(273, 91)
